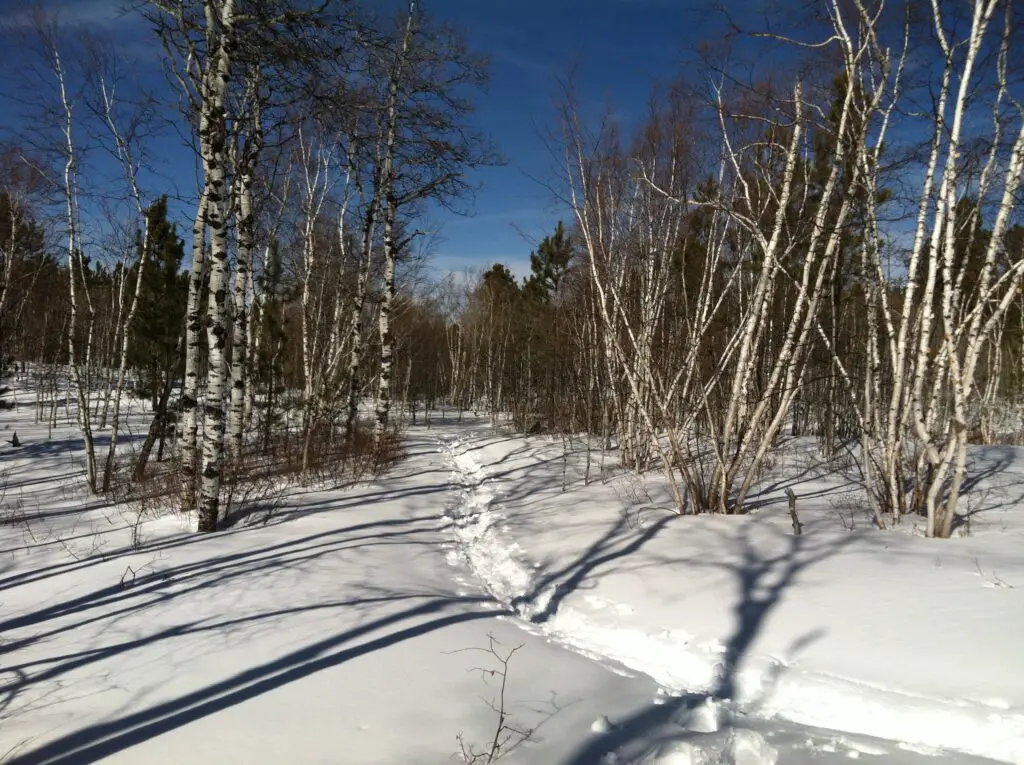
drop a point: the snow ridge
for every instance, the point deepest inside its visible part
(765, 687)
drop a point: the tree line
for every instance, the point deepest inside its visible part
(832, 251)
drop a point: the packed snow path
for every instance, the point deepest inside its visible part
(564, 598)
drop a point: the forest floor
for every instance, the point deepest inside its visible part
(352, 625)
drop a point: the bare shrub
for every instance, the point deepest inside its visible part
(254, 484)
(332, 459)
(160, 493)
(252, 490)
(851, 511)
(508, 734)
(15, 512)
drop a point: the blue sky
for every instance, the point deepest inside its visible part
(617, 49)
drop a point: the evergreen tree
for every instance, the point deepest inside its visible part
(160, 317)
(499, 283)
(269, 357)
(159, 324)
(549, 264)
(22, 248)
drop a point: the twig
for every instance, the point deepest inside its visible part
(798, 528)
(507, 734)
(995, 581)
(125, 581)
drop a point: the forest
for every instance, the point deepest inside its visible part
(833, 249)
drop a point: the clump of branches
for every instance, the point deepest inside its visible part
(508, 734)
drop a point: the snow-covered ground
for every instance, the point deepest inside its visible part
(346, 628)
(846, 627)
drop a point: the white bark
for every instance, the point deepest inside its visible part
(387, 346)
(79, 367)
(246, 233)
(125, 154)
(219, 22)
(193, 345)
(387, 193)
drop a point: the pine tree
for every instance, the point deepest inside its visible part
(549, 264)
(268, 358)
(156, 349)
(22, 250)
(160, 316)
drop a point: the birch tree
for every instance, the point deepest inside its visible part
(79, 349)
(208, 43)
(249, 144)
(922, 355)
(125, 129)
(967, 323)
(425, 147)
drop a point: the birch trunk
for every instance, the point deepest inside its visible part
(122, 366)
(387, 348)
(356, 317)
(189, 406)
(215, 171)
(245, 224)
(125, 154)
(75, 264)
(387, 177)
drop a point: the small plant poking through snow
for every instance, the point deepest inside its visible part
(508, 734)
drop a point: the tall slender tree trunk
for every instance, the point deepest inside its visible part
(157, 426)
(122, 367)
(189, 405)
(356, 321)
(387, 344)
(81, 383)
(243, 265)
(215, 169)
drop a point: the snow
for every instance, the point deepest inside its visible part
(878, 633)
(346, 628)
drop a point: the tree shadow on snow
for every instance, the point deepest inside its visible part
(761, 579)
(618, 541)
(97, 741)
(409, 613)
(980, 488)
(145, 589)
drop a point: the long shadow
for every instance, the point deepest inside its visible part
(94, 742)
(342, 502)
(770, 494)
(308, 507)
(75, 445)
(175, 582)
(616, 542)
(1005, 457)
(613, 544)
(53, 667)
(106, 605)
(491, 441)
(761, 581)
